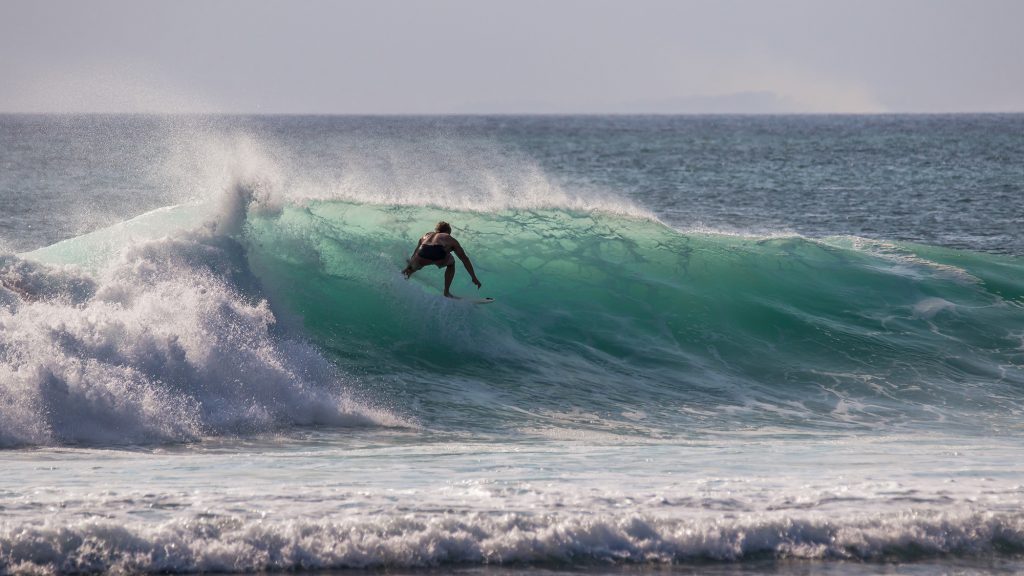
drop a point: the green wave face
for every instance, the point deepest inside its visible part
(646, 329)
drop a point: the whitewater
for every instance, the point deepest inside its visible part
(769, 344)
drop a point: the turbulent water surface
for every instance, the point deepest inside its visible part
(721, 344)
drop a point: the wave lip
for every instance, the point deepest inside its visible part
(234, 544)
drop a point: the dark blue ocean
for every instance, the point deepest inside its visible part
(719, 344)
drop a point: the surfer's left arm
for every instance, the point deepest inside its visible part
(457, 248)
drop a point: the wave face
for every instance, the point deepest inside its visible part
(603, 323)
(619, 324)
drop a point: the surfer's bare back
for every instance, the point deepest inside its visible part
(436, 248)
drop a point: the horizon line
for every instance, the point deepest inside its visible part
(508, 114)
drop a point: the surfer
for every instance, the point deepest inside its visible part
(436, 248)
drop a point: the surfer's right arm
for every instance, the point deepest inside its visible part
(411, 262)
(416, 250)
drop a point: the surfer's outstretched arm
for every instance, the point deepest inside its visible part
(465, 261)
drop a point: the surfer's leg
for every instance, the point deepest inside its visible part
(449, 275)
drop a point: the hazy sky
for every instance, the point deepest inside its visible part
(452, 56)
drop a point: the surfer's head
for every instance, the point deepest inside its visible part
(443, 226)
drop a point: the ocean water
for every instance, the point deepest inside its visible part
(722, 345)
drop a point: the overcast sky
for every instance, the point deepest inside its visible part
(522, 56)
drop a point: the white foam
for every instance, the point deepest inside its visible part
(904, 261)
(929, 307)
(169, 342)
(236, 544)
(744, 234)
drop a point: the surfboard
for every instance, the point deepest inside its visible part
(474, 300)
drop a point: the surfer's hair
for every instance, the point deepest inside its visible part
(443, 226)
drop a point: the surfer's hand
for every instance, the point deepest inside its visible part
(477, 282)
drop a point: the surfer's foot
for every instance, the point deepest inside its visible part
(450, 295)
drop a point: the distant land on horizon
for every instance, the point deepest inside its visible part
(752, 102)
